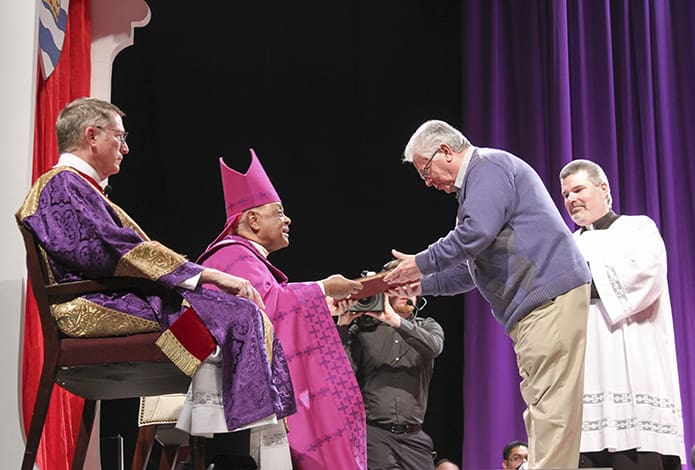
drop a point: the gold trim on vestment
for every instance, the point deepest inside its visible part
(177, 353)
(149, 259)
(268, 335)
(83, 318)
(31, 202)
(127, 221)
(44, 260)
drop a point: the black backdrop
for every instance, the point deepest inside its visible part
(327, 94)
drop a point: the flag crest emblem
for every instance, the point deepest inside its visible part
(53, 20)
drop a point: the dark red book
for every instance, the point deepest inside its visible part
(372, 285)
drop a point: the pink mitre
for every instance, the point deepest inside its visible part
(247, 190)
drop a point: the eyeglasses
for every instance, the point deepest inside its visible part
(119, 134)
(425, 172)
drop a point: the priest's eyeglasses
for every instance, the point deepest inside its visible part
(119, 134)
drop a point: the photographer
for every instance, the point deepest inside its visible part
(392, 353)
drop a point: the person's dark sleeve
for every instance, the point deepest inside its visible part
(425, 335)
(348, 340)
(594, 291)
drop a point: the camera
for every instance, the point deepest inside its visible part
(373, 303)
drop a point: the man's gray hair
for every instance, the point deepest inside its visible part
(432, 134)
(78, 115)
(594, 172)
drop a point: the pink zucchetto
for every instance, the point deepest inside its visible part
(247, 190)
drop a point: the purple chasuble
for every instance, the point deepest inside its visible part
(328, 429)
(253, 388)
(86, 236)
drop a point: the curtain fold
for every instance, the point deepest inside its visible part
(552, 81)
(70, 80)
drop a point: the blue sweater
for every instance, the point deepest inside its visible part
(509, 241)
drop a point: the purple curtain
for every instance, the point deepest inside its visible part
(611, 81)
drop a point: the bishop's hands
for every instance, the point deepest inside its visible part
(232, 284)
(339, 287)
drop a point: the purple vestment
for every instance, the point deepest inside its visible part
(85, 236)
(328, 430)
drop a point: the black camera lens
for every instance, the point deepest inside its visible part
(374, 303)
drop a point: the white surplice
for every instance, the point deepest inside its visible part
(631, 390)
(202, 414)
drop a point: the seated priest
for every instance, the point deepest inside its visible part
(86, 236)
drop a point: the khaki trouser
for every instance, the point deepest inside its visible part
(549, 343)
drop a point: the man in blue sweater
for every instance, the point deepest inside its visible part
(510, 243)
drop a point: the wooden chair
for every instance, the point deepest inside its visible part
(92, 368)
